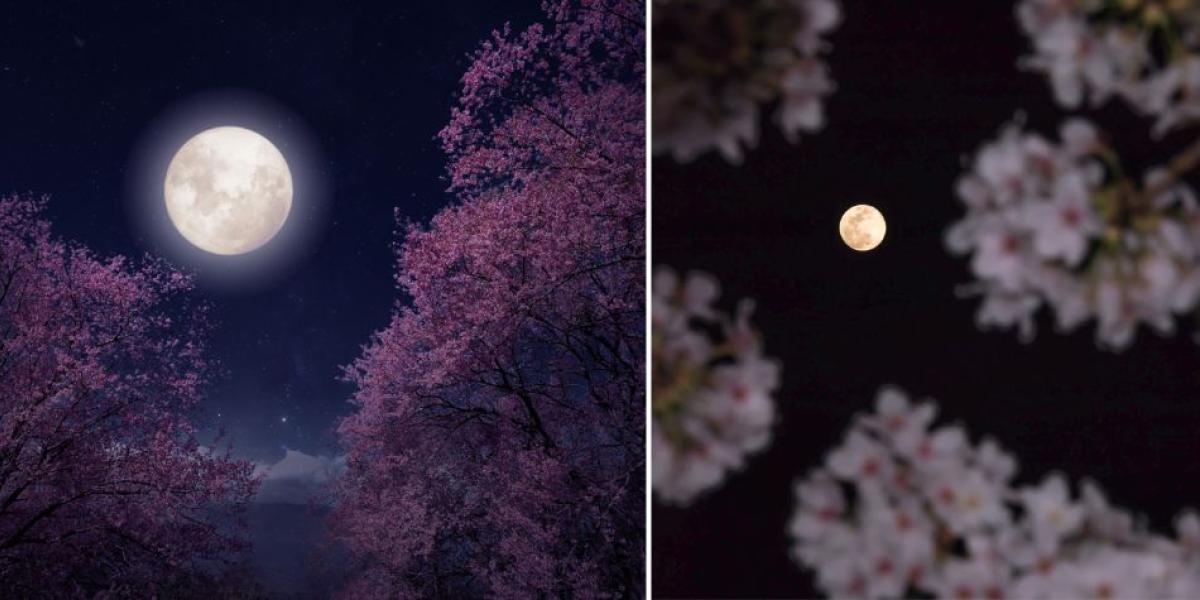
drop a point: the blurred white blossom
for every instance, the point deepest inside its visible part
(711, 387)
(1146, 52)
(717, 62)
(1060, 225)
(903, 508)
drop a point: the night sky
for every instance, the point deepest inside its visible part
(920, 87)
(370, 84)
(84, 88)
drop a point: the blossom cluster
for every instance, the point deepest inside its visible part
(902, 508)
(1145, 52)
(717, 61)
(105, 485)
(712, 387)
(1060, 225)
(518, 336)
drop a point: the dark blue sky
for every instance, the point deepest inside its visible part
(372, 83)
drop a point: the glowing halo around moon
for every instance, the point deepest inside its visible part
(862, 227)
(275, 239)
(228, 190)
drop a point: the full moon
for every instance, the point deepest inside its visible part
(862, 227)
(228, 190)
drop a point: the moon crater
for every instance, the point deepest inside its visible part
(862, 227)
(228, 190)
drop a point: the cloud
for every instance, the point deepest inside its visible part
(297, 477)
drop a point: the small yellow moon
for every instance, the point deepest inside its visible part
(228, 190)
(862, 227)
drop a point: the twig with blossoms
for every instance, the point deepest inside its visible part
(1145, 52)
(717, 61)
(901, 508)
(712, 388)
(1063, 225)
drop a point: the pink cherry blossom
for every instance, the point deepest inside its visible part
(713, 401)
(496, 448)
(717, 63)
(959, 528)
(1060, 226)
(103, 486)
(1145, 53)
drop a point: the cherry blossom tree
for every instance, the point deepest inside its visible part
(103, 486)
(711, 396)
(906, 507)
(903, 508)
(1057, 225)
(717, 63)
(497, 446)
(1145, 53)
(1068, 226)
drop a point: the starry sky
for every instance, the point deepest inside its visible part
(920, 87)
(368, 84)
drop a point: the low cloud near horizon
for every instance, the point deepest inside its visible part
(296, 477)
